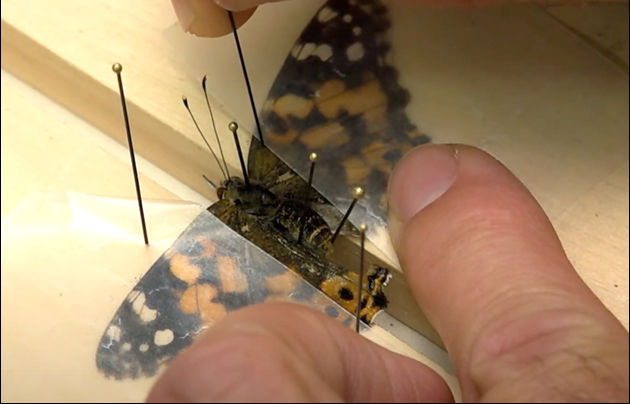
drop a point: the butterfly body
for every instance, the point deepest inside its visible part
(273, 221)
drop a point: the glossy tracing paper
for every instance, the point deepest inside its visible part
(75, 279)
(510, 80)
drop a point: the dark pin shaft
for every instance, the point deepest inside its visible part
(313, 158)
(118, 69)
(234, 129)
(249, 87)
(360, 286)
(358, 193)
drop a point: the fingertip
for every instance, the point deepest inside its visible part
(207, 18)
(420, 178)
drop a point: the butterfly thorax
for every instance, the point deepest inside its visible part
(290, 216)
(250, 198)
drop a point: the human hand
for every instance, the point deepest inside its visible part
(486, 266)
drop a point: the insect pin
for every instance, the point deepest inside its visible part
(117, 68)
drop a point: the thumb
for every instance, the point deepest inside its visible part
(486, 266)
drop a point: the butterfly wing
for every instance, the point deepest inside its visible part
(208, 272)
(337, 95)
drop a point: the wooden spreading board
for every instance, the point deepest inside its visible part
(568, 141)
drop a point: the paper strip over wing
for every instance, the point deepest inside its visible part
(337, 95)
(208, 272)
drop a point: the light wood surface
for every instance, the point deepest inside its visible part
(546, 93)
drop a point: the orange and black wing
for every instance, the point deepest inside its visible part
(336, 95)
(208, 272)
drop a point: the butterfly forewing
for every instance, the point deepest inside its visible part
(338, 96)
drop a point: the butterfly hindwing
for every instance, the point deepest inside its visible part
(208, 272)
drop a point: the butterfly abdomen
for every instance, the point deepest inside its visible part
(295, 217)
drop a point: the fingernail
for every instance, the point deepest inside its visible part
(185, 14)
(419, 179)
(239, 5)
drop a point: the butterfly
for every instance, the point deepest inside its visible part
(213, 269)
(269, 237)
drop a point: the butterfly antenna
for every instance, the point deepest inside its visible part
(249, 87)
(185, 101)
(214, 126)
(363, 229)
(358, 194)
(313, 158)
(117, 68)
(233, 126)
(210, 183)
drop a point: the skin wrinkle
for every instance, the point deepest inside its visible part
(480, 244)
(301, 350)
(538, 359)
(312, 357)
(561, 374)
(350, 370)
(305, 380)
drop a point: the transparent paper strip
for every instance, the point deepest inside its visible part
(91, 313)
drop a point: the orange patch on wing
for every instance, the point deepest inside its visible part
(356, 170)
(182, 269)
(374, 154)
(333, 285)
(284, 283)
(293, 105)
(208, 247)
(354, 101)
(283, 138)
(330, 89)
(376, 119)
(327, 136)
(198, 299)
(232, 278)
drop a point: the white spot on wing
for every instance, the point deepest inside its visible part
(355, 52)
(138, 301)
(163, 337)
(143, 347)
(356, 30)
(113, 333)
(347, 18)
(324, 52)
(295, 52)
(306, 51)
(326, 14)
(126, 347)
